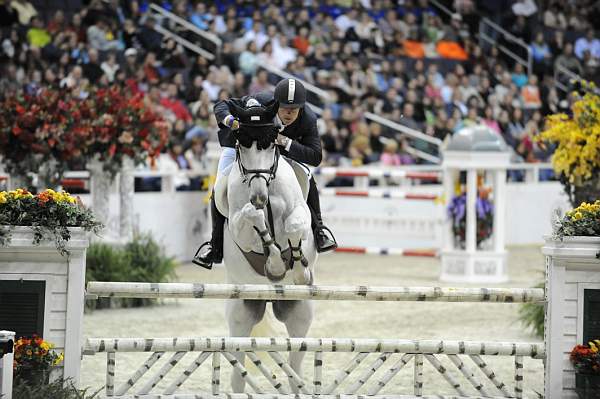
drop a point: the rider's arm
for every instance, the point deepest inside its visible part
(307, 149)
(222, 110)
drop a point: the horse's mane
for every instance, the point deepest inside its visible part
(264, 136)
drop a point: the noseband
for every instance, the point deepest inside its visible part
(250, 174)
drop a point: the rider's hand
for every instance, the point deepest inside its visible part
(283, 141)
(231, 122)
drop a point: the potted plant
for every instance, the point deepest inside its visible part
(121, 124)
(576, 159)
(34, 359)
(581, 221)
(39, 133)
(458, 216)
(48, 215)
(586, 361)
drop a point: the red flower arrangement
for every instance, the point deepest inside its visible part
(586, 358)
(36, 129)
(57, 125)
(122, 124)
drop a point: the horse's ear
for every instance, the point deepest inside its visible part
(235, 110)
(271, 110)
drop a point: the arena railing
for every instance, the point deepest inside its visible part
(562, 76)
(80, 179)
(486, 25)
(207, 37)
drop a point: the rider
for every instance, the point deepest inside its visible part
(298, 139)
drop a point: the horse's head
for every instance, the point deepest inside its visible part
(257, 155)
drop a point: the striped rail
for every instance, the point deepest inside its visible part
(378, 193)
(393, 353)
(314, 292)
(378, 173)
(427, 253)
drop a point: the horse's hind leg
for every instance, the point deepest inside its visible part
(242, 315)
(297, 317)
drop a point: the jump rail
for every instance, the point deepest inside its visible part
(399, 352)
(208, 395)
(534, 350)
(321, 292)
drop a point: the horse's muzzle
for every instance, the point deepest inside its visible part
(259, 201)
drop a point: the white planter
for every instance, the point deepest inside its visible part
(6, 367)
(571, 268)
(64, 288)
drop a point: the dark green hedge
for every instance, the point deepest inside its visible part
(141, 260)
(54, 390)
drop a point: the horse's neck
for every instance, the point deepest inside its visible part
(285, 185)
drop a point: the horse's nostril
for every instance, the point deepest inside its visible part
(258, 201)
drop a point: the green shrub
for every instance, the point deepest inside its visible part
(532, 315)
(148, 262)
(141, 260)
(54, 390)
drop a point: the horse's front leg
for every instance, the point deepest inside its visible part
(242, 225)
(275, 268)
(296, 226)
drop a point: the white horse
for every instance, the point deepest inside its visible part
(268, 215)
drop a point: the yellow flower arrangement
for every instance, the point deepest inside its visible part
(581, 221)
(577, 138)
(49, 214)
(35, 353)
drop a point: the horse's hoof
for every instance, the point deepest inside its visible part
(304, 278)
(274, 277)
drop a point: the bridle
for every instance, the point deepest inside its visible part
(257, 173)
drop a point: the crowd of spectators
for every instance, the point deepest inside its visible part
(407, 61)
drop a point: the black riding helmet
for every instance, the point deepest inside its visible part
(290, 93)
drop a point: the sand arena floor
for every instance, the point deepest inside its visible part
(406, 320)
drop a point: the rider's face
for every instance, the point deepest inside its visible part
(288, 115)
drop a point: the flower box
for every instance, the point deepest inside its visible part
(63, 282)
(572, 272)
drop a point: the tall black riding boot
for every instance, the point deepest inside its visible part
(324, 239)
(212, 251)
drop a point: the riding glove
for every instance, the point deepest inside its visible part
(231, 122)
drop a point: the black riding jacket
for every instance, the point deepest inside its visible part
(306, 144)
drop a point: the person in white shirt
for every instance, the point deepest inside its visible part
(347, 21)
(256, 35)
(110, 67)
(282, 53)
(587, 43)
